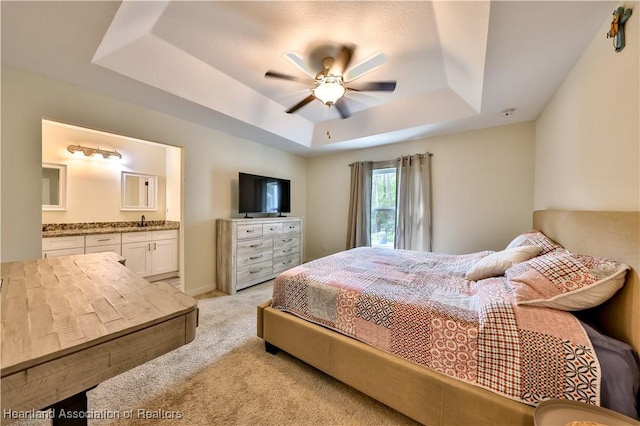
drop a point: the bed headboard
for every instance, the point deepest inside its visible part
(608, 234)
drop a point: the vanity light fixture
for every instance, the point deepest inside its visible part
(90, 151)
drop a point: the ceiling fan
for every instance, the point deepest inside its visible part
(334, 80)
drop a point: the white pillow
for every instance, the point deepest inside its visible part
(497, 263)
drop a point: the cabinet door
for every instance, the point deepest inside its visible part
(138, 257)
(164, 256)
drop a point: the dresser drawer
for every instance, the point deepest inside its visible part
(250, 274)
(249, 231)
(271, 229)
(283, 263)
(255, 245)
(286, 241)
(249, 258)
(102, 239)
(291, 228)
(286, 250)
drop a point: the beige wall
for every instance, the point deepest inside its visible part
(94, 183)
(211, 162)
(588, 136)
(482, 189)
(174, 185)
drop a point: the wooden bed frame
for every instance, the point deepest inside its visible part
(433, 398)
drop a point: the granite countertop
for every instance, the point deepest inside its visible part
(72, 229)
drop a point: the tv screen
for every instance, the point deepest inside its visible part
(262, 194)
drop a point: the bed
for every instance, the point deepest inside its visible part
(438, 398)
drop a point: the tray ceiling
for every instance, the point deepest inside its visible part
(457, 64)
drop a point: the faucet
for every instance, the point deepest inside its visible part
(142, 219)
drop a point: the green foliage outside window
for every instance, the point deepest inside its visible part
(383, 207)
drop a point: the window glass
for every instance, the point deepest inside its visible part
(383, 207)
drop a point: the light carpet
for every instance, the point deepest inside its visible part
(225, 377)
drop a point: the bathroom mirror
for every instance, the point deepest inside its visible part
(54, 186)
(139, 191)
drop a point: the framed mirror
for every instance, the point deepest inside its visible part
(54, 186)
(139, 191)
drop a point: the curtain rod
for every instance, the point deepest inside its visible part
(396, 159)
(421, 155)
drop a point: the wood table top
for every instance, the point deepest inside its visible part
(57, 306)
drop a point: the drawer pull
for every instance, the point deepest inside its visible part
(249, 231)
(105, 239)
(287, 241)
(272, 229)
(255, 257)
(256, 245)
(287, 250)
(255, 271)
(287, 262)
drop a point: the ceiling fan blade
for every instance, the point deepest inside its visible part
(274, 74)
(300, 63)
(368, 65)
(341, 106)
(300, 104)
(342, 60)
(374, 86)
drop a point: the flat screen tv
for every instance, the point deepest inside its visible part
(263, 194)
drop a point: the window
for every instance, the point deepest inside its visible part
(383, 205)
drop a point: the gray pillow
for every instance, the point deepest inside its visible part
(620, 388)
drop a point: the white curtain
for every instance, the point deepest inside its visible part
(413, 227)
(360, 205)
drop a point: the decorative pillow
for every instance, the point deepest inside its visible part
(497, 263)
(566, 281)
(535, 238)
(620, 373)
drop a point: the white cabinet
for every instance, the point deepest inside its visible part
(164, 257)
(62, 246)
(151, 252)
(97, 243)
(147, 253)
(250, 251)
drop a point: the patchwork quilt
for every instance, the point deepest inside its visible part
(419, 306)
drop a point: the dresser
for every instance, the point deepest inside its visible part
(251, 251)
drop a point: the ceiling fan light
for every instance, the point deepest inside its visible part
(328, 90)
